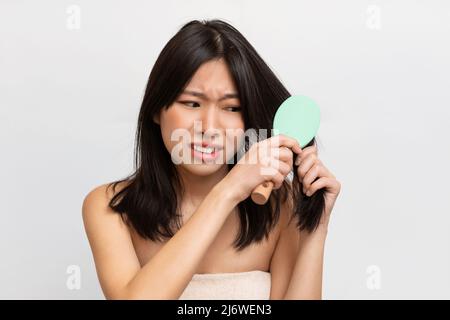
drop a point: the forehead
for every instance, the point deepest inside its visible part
(212, 77)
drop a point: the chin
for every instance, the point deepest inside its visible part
(203, 169)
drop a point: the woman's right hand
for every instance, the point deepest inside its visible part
(267, 160)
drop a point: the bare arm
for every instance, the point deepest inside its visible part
(297, 262)
(306, 280)
(167, 274)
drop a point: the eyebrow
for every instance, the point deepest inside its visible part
(202, 95)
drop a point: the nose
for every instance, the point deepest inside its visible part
(210, 121)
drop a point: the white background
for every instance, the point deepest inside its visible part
(72, 77)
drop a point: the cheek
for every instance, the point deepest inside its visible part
(174, 122)
(176, 117)
(234, 136)
(232, 122)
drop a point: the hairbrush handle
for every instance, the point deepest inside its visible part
(261, 193)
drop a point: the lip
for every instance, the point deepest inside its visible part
(206, 156)
(207, 145)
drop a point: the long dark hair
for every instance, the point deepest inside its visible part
(149, 201)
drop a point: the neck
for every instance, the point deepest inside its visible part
(197, 187)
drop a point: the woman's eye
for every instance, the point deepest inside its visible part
(233, 109)
(192, 104)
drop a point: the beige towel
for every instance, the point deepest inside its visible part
(229, 286)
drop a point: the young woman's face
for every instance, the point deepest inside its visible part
(207, 112)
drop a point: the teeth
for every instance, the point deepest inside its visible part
(204, 150)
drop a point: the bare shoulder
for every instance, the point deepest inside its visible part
(97, 200)
(104, 191)
(97, 214)
(110, 241)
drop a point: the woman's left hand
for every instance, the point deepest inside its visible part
(310, 168)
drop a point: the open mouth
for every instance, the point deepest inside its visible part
(205, 153)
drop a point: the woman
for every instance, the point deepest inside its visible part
(181, 229)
